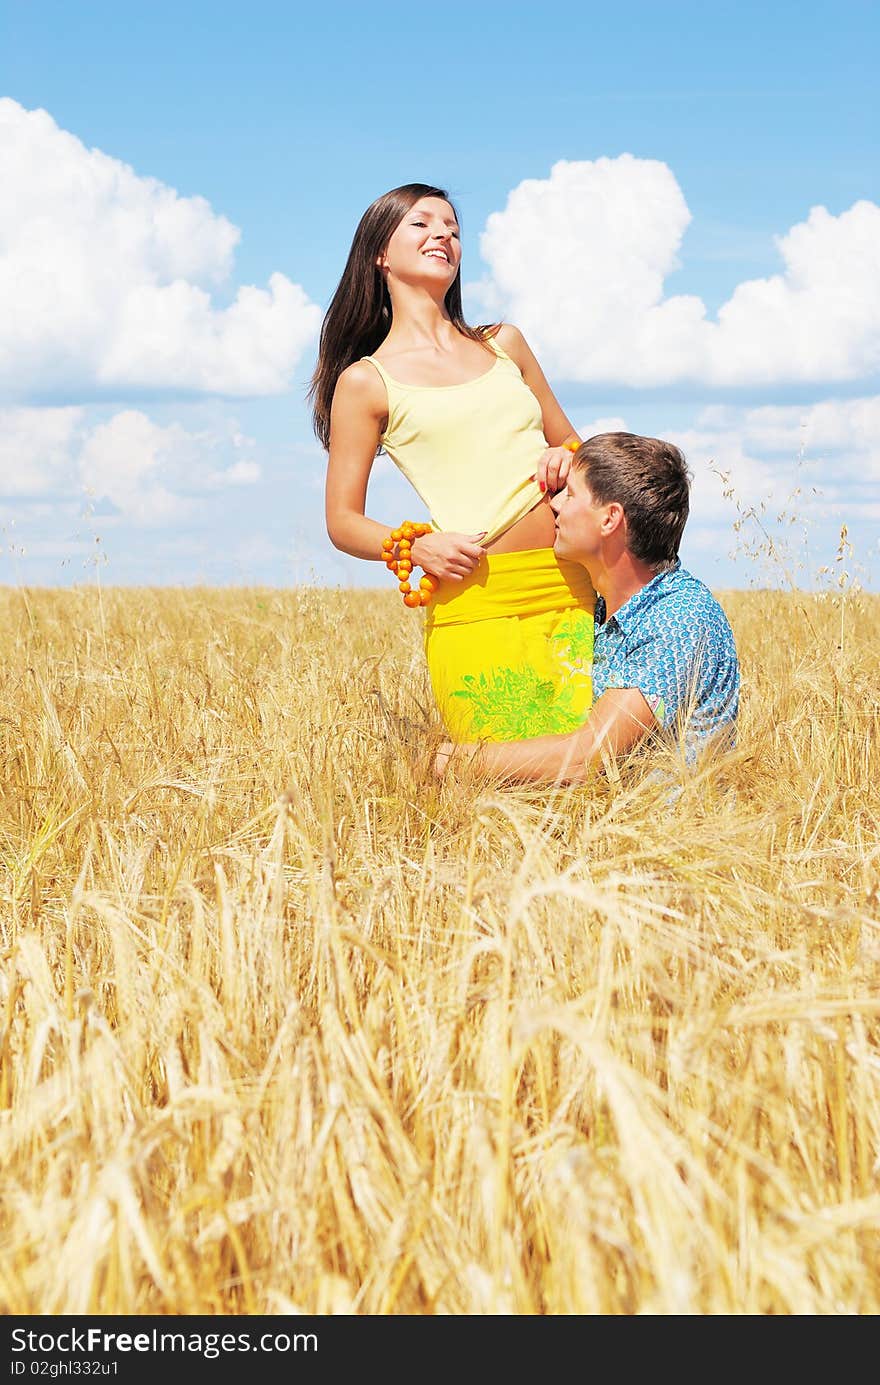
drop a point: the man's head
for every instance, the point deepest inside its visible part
(624, 486)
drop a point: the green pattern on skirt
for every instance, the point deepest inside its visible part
(517, 703)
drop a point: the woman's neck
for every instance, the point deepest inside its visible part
(419, 320)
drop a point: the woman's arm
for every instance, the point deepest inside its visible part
(552, 469)
(357, 418)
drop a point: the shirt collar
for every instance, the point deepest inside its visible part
(644, 598)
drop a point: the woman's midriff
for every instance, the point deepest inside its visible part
(537, 529)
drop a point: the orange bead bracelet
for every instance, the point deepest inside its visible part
(396, 554)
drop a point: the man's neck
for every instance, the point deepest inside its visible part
(620, 580)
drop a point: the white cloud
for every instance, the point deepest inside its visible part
(106, 279)
(815, 457)
(239, 474)
(803, 469)
(595, 426)
(35, 448)
(123, 461)
(715, 450)
(145, 472)
(850, 426)
(578, 261)
(726, 471)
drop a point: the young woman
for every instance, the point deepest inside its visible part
(468, 417)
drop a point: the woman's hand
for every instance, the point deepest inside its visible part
(552, 470)
(449, 557)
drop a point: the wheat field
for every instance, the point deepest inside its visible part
(288, 1026)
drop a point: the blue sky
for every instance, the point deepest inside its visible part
(624, 174)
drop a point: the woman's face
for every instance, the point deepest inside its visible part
(424, 247)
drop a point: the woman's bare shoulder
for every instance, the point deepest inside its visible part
(360, 384)
(510, 339)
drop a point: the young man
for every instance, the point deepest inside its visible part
(664, 656)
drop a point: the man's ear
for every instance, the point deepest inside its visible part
(613, 518)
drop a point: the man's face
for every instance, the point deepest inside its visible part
(578, 521)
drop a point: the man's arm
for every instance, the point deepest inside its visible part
(616, 723)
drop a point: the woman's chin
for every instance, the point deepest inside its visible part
(433, 279)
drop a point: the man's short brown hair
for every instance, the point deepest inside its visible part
(649, 478)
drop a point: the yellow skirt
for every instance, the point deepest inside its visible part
(510, 649)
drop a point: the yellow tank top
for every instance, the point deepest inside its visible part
(469, 450)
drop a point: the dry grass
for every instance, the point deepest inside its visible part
(287, 1027)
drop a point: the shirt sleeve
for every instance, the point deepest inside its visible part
(661, 664)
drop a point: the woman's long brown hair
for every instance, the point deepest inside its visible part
(359, 316)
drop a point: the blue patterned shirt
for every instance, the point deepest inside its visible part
(672, 641)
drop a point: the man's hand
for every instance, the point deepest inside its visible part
(442, 758)
(446, 751)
